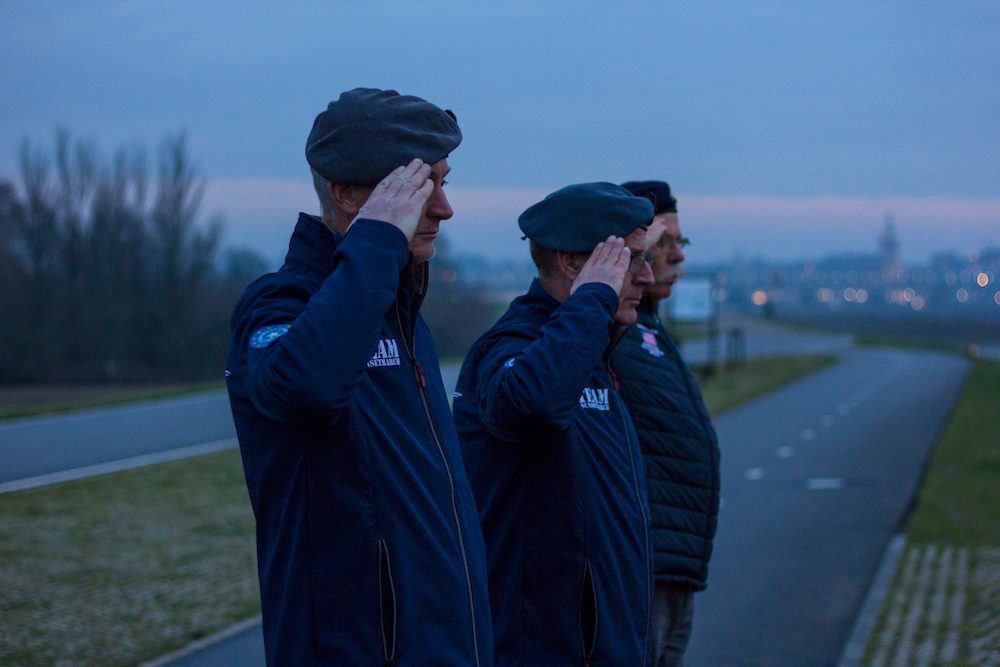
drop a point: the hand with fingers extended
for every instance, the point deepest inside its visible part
(400, 197)
(607, 264)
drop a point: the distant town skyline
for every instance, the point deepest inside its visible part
(787, 129)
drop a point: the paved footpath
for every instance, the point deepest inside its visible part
(46, 445)
(43, 450)
(816, 477)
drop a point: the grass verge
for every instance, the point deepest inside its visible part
(731, 387)
(33, 400)
(117, 569)
(959, 501)
(948, 581)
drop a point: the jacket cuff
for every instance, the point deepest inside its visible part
(604, 294)
(378, 238)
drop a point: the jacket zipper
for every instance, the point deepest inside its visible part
(635, 483)
(421, 386)
(645, 524)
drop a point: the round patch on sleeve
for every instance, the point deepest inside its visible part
(264, 336)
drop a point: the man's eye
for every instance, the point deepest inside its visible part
(443, 182)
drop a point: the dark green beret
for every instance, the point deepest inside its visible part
(657, 192)
(578, 217)
(367, 133)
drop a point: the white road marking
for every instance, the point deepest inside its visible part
(808, 435)
(753, 474)
(117, 466)
(824, 483)
(785, 452)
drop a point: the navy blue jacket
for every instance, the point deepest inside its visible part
(555, 465)
(680, 448)
(368, 541)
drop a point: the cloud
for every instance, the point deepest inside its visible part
(261, 213)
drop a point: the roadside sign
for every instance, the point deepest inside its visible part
(691, 300)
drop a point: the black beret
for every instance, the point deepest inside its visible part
(578, 217)
(367, 133)
(657, 192)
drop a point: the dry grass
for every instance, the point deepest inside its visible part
(115, 569)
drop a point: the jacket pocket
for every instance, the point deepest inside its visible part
(588, 613)
(386, 603)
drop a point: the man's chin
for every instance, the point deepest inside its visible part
(423, 252)
(626, 315)
(659, 290)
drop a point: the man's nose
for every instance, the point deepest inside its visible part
(644, 277)
(438, 206)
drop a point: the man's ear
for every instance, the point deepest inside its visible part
(569, 263)
(349, 198)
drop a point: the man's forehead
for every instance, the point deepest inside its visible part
(636, 240)
(669, 221)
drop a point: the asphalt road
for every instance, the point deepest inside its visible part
(33, 447)
(50, 445)
(816, 479)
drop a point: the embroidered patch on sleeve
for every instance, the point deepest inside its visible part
(264, 336)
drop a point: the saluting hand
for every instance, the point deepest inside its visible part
(400, 197)
(607, 264)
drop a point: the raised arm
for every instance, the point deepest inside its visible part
(523, 384)
(304, 353)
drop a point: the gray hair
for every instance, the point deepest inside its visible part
(326, 205)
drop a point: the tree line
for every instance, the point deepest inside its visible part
(109, 272)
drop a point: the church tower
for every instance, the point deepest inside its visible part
(888, 245)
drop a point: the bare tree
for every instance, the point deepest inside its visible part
(107, 276)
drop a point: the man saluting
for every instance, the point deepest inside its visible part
(550, 449)
(368, 542)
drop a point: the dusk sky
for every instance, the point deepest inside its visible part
(786, 129)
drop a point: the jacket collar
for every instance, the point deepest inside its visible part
(540, 298)
(312, 245)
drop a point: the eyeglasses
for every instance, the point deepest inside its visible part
(635, 266)
(667, 241)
